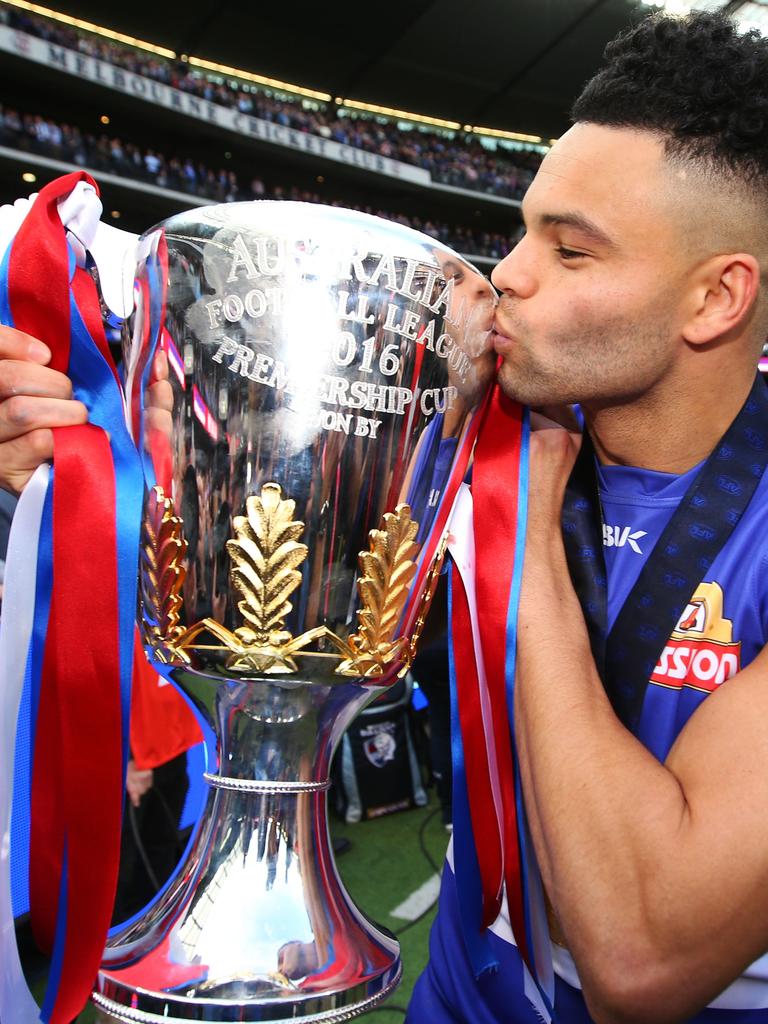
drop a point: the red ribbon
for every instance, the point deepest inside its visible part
(87, 676)
(477, 770)
(38, 287)
(77, 783)
(495, 487)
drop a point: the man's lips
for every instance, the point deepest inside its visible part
(500, 340)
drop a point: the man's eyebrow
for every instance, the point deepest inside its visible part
(580, 223)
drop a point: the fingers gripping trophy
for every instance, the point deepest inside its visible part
(325, 372)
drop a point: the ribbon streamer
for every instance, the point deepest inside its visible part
(472, 860)
(79, 663)
(16, 1003)
(488, 805)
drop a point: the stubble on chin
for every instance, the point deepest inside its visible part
(601, 363)
(522, 384)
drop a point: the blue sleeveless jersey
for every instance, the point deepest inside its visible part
(722, 629)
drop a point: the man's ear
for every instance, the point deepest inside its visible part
(723, 297)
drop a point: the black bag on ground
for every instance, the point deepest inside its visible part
(376, 768)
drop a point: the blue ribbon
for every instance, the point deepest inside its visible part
(155, 313)
(531, 882)
(95, 384)
(468, 884)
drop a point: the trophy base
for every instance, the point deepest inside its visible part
(134, 1006)
(255, 925)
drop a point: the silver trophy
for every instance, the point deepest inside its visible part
(329, 370)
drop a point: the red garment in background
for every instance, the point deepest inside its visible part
(162, 724)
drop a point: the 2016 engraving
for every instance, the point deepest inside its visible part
(403, 323)
(351, 394)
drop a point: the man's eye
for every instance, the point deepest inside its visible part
(569, 254)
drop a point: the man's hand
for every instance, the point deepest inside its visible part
(138, 781)
(33, 399)
(159, 399)
(553, 451)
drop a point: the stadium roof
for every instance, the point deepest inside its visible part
(507, 64)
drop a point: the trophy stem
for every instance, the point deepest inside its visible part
(256, 924)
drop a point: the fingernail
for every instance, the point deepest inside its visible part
(39, 352)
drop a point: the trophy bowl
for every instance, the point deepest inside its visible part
(328, 372)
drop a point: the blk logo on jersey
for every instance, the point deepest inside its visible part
(619, 536)
(701, 652)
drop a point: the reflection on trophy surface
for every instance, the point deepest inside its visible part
(328, 370)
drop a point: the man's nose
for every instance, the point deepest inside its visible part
(513, 275)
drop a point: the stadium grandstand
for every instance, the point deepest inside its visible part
(163, 131)
(84, 105)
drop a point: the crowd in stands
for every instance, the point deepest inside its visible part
(37, 134)
(460, 161)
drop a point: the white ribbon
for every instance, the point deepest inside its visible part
(17, 1005)
(461, 544)
(113, 250)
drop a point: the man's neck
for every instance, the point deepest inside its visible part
(667, 433)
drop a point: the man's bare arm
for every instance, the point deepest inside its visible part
(658, 873)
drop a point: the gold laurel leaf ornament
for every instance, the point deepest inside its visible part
(161, 577)
(265, 559)
(430, 586)
(265, 556)
(387, 572)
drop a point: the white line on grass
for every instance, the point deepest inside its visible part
(418, 901)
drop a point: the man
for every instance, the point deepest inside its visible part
(639, 293)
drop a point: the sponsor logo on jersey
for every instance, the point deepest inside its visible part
(619, 536)
(701, 652)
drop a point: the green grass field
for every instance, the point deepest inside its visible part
(383, 866)
(386, 861)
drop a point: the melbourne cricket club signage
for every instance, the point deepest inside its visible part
(110, 76)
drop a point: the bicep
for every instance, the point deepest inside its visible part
(720, 760)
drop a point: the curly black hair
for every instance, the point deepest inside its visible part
(695, 80)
